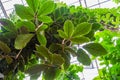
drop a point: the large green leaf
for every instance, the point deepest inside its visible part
(34, 4)
(57, 59)
(28, 24)
(4, 47)
(80, 40)
(24, 12)
(36, 69)
(44, 52)
(95, 49)
(68, 28)
(8, 25)
(62, 34)
(42, 28)
(82, 29)
(82, 57)
(22, 40)
(50, 73)
(45, 19)
(41, 38)
(46, 8)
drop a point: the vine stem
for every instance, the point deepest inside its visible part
(18, 54)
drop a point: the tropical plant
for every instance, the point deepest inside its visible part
(42, 39)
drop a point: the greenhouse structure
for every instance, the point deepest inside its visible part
(59, 39)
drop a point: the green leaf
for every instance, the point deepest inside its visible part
(66, 57)
(45, 19)
(82, 29)
(95, 49)
(50, 73)
(42, 39)
(44, 52)
(9, 59)
(96, 26)
(68, 28)
(8, 25)
(4, 47)
(70, 50)
(34, 4)
(42, 28)
(35, 76)
(28, 24)
(80, 40)
(22, 40)
(57, 59)
(36, 69)
(62, 34)
(24, 12)
(46, 8)
(83, 58)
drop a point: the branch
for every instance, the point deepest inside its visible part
(18, 54)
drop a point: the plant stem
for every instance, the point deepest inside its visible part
(18, 54)
(38, 26)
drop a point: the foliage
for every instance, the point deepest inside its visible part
(111, 41)
(116, 1)
(71, 73)
(41, 40)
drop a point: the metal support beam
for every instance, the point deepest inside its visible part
(85, 3)
(99, 3)
(80, 2)
(3, 9)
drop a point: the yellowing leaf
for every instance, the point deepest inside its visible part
(22, 40)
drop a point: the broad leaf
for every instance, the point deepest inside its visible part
(22, 40)
(36, 69)
(57, 59)
(4, 47)
(29, 25)
(46, 8)
(68, 28)
(62, 34)
(80, 40)
(43, 51)
(70, 50)
(50, 73)
(82, 29)
(42, 39)
(8, 25)
(45, 19)
(34, 4)
(42, 28)
(24, 12)
(83, 58)
(35, 76)
(95, 49)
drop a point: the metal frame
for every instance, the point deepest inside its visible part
(4, 11)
